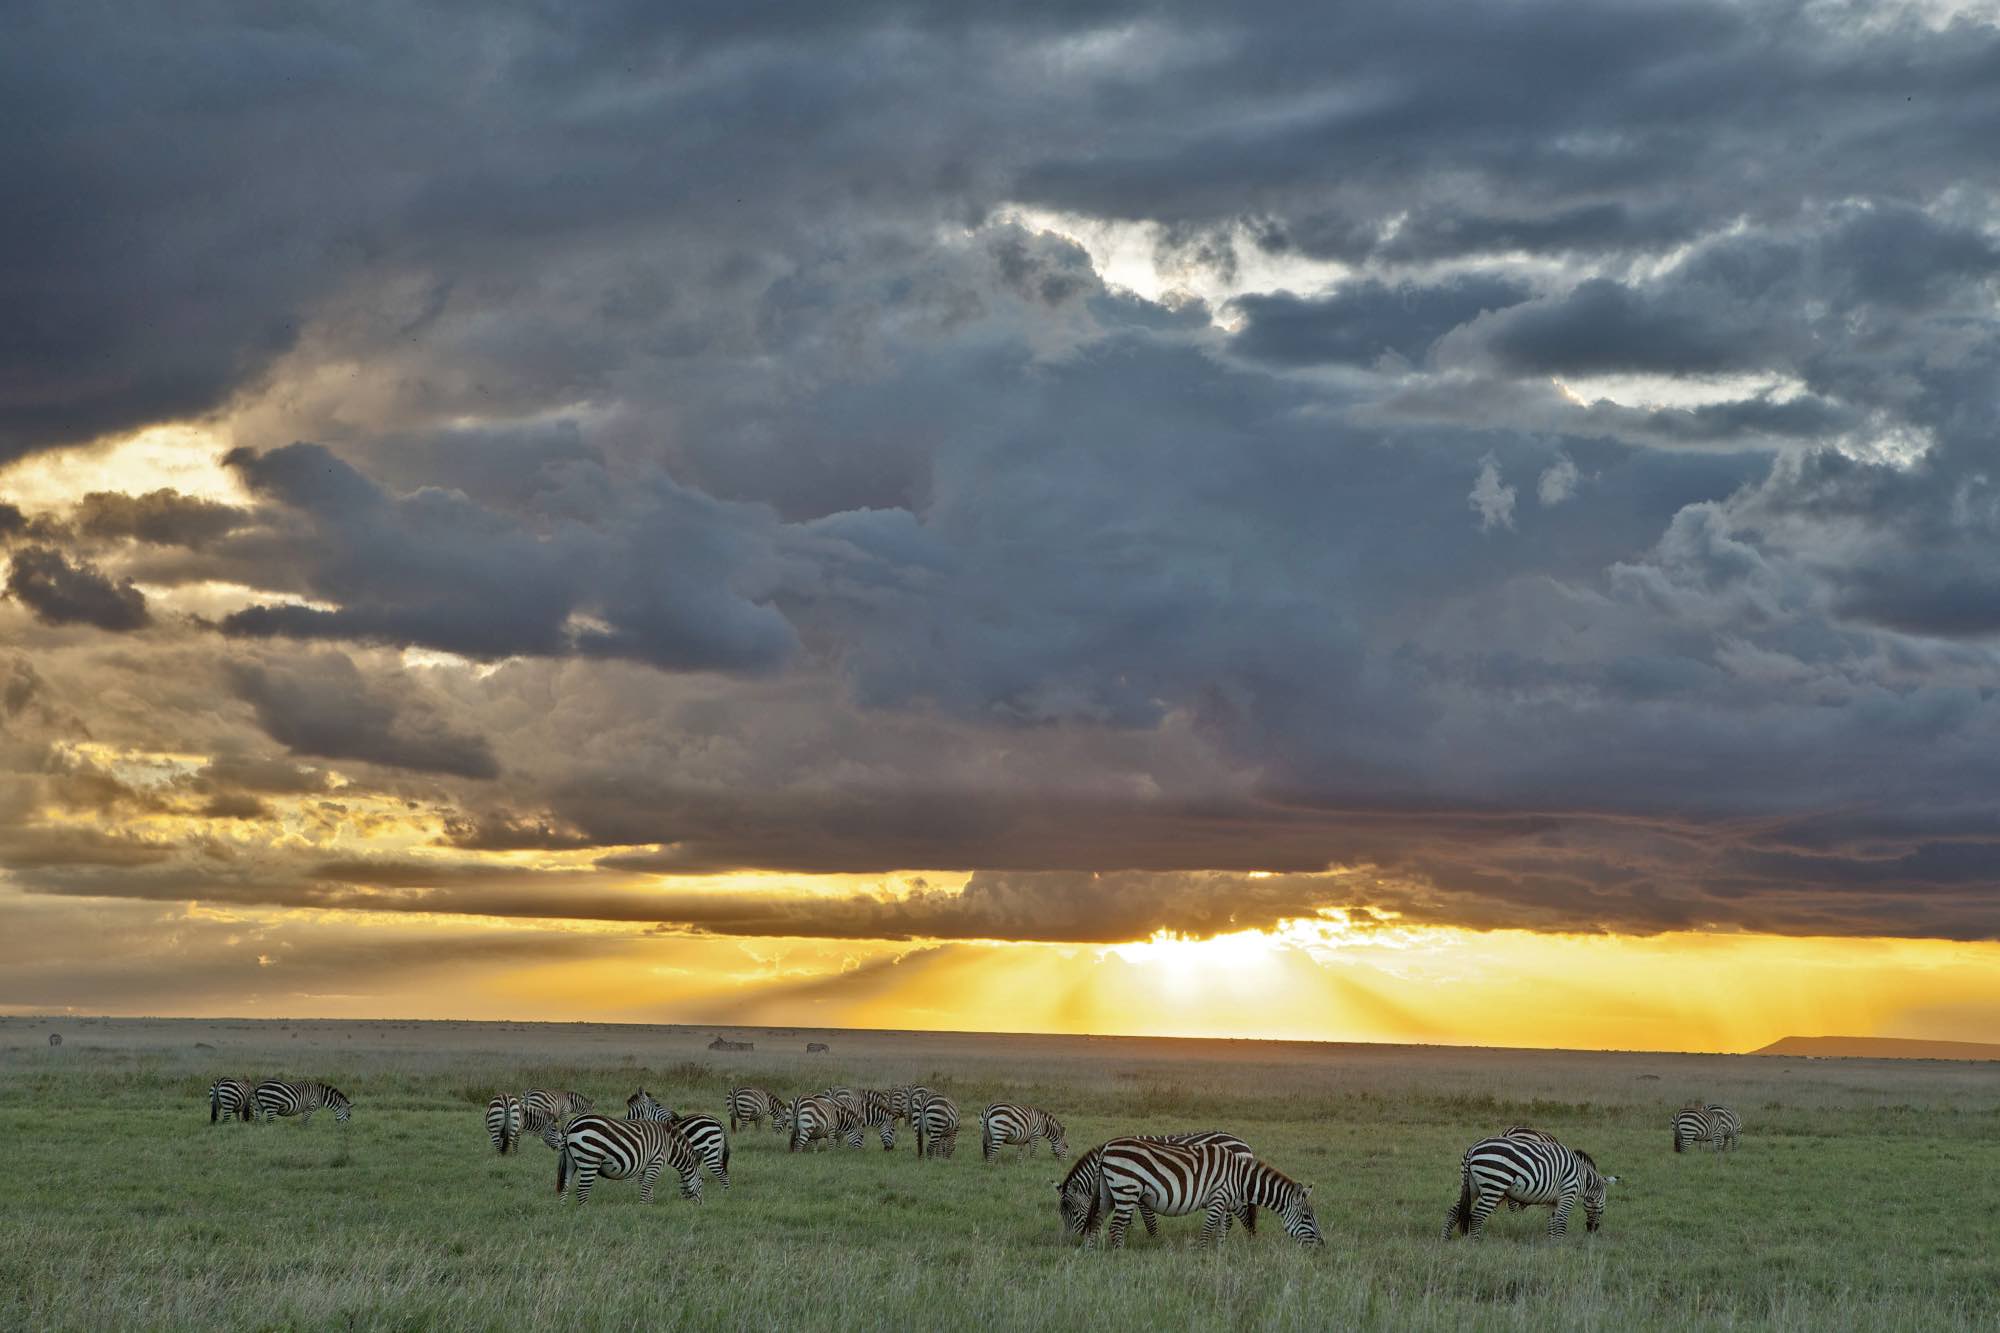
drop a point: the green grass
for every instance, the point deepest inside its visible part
(1860, 1197)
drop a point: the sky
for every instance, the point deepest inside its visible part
(1419, 522)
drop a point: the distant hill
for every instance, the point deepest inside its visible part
(1882, 1048)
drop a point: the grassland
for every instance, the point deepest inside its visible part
(1861, 1198)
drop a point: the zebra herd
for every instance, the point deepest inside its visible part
(1210, 1172)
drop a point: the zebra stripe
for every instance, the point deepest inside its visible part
(1004, 1123)
(230, 1099)
(541, 1108)
(593, 1145)
(1711, 1123)
(1181, 1178)
(823, 1120)
(1523, 1132)
(752, 1106)
(936, 1125)
(1077, 1192)
(503, 1123)
(1537, 1170)
(275, 1098)
(703, 1133)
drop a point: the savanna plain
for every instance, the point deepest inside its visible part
(1861, 1197)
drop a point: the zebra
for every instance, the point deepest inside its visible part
(1711, 1123)
(1537, 1170)
(275, 1098)
(1514, 1205)
(1181, 1178)
(752, 1106)
(230, 1099)
(936, 1125)
(541, 1108)
(590, 1146)
(703, 1132)
(1077, 1192)
(824, 1120)
(1004, 1123)
(503, 1122)
(876, 1110)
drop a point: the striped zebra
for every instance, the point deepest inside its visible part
(590, 1146)
(1004, 1123)
(876, 1110)
(1710, 1123)
(503, 1123)
(1181, 1178)
(703, 1132)
(1514, 1205)
(1077, 1192)
(753, 1106)
(230, 1099)
(276, 1097)
(847, 1097)
(936, 1125)
(1533, 1171)
(541, 1108)
(825, 1121)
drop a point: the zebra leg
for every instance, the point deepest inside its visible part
(1121, 1218)
(586, 1176)
(1151, 1219)
(1559, 1219)
(691, 1185)
(649, 1178)
(307, 1117)
(889, 1137)
(1215, 1224)
(1482, 1208)
(720, 1170)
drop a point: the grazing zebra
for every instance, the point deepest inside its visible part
(752, 1106)
(230, 1099)
(1181, 1178)
(1077, 1192)
(1537, 1170)
(503, 1123)
(936, 1125)
(593, 1145)
(823, 1120)
(276, 1098)
(703, 1132)
(1004, 1123)
(1713, 1123)
(541, 1108)
(1514, 1205)
(876, 1111)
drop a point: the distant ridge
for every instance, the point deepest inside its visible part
(1882, 1048)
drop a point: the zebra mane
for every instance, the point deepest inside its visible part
(1082, 1162)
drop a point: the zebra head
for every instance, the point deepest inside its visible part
(342, 1107)
(1301, 1223)
(1594, 1186)
(552, 1133)
(1058, 1140)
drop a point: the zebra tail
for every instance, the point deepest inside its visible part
(562, 1167)
(1677, 1141)
(1465, 1200)
(214, 1105)
(725, 1154)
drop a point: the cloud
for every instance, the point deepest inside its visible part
(62, 593)
(1558, 482)
(323, 706)
(1491, 498)
(1363, 321)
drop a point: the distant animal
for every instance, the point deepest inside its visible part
(55, 1039)
(590, 1146)
(823, 1121)
(1004, 1122)
(230, 1099)
(504, 1118)
(936, 1126)
(1175, 1179)
(753, 1106)
(816, 1048)
(275, 1098)
(1711, 1123)
(1532, 1171)
(541, 1108)
(703, 1132)
(1077, 1193)
(724, 1044)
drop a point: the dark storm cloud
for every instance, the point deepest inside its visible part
(807, 515)
(62, 593)
(323, 706)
